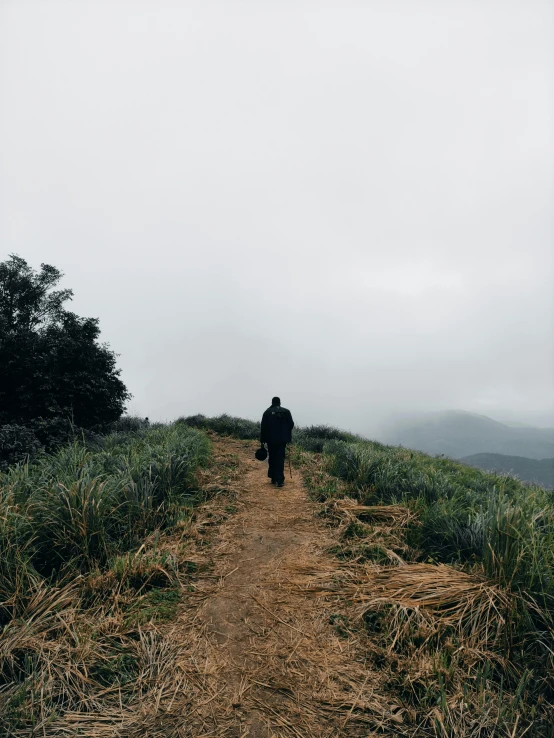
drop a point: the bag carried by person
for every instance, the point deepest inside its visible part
(261, 453)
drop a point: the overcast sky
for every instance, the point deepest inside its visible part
(350, 204)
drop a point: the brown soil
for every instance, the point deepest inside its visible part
(263, 657)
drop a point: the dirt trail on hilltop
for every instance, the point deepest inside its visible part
(262, 656)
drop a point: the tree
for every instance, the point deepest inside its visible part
(52, 366)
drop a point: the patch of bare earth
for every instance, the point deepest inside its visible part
(259, 655)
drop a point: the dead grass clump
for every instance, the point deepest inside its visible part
(477, 610)
(394, 515)
(445, 637)
(374, 533)
(64, 670)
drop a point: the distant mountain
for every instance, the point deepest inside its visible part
(458, 434)
(529, 470)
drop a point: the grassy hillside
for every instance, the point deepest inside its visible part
(81, 569)
(452, 570)
(538, 471)
(462, 602)
(458, 434)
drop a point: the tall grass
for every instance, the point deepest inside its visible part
(225, 425)
(490, 526)
(78, 584)
(74, 510)
(464, 515)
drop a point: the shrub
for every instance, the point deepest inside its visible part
(17, 443)
(225, 425)
(129, 424)
(314, 438)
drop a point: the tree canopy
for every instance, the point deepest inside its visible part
(52, 365)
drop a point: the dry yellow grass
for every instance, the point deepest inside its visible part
(396, 515)
(476, 609)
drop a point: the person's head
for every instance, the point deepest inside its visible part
(275, 401)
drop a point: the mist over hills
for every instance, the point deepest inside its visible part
(460, 434)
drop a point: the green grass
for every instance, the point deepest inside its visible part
(83, 573)
(464, 515)
(78, 508)
(225, 425)
(158, 606)
(489, 525)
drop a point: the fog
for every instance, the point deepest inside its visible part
(349, 204)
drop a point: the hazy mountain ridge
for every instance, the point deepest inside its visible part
(459, 434)
(539, 471)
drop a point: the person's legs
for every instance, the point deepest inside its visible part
(276, 468)
(270, 462)
(278, 464)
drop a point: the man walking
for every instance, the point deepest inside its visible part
(277, 425)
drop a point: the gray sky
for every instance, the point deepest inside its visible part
(350, 204)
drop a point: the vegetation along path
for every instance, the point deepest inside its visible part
(265, 659)
(154, 584)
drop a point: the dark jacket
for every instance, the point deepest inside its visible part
(277, 425)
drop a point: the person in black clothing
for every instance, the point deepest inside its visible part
(277, 425)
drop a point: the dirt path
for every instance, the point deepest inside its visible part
(263, 658)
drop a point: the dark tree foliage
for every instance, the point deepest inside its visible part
(53, 370)
(16, 444)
